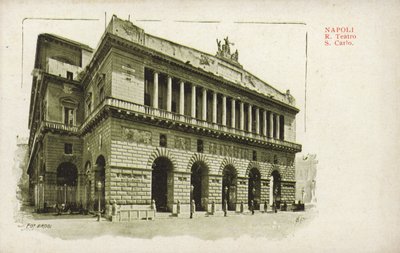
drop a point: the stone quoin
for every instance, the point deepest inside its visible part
(149, 123)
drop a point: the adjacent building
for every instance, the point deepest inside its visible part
(142, 118)
(306, 173)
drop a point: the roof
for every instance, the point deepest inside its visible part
(68, 41)
(228, 69)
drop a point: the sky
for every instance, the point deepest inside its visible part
(353, 105)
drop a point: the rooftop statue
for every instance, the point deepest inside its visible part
(225, 50)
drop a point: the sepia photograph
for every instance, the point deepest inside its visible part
(199, 126)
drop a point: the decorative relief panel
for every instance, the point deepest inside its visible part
(182, 143)
(136, 135)
(227, 150)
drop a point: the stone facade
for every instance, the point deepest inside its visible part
(148, 127)
(306, 173)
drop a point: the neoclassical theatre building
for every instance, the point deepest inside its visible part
(142, 118)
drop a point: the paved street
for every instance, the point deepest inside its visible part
(270, 225)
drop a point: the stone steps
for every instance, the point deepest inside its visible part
(164, 215)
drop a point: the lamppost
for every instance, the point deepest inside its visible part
(99, 204)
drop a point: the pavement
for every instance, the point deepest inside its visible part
(266, 225)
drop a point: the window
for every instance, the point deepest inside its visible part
(147, 96)
(70, 75)
(88, 103)
(282, 127)
(163, 140)
(89, 107)
(101, 94)
(67, 148)
(254, 155)
(68, 116)
(100, 85)
(200, 146)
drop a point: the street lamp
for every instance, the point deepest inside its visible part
(99, 185)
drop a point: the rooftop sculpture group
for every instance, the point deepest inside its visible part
(225, 50)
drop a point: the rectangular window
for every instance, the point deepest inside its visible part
(101, 94)
(70, 75)
(282, 127)
(163, 140)
(67, 148)
(200, 146)
(147, 96)
(253, 120)
(68, 116)
(254, 155)
(89, 107)
(268, 124)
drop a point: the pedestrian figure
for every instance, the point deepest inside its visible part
(114, 208)
(252, 207)
(192, 208)
(284, 207)
(225, 207)
(58, 209)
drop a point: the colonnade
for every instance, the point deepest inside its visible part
(265, 122)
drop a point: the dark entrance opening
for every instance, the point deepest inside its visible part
(254, 188)
(67, 176)
(100, 176)
(199, 185)
(160, 183)
(229, 180)
(276, 189)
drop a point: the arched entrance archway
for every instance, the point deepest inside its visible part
(199, 185)
(162, 183)
(254, 193)
(67, 177)
(100, 176)
(276, 188)
(229, 180)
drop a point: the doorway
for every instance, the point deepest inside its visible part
(276, 188)
(254, 188)
(199, 185)
(229, 180)
(161, 183)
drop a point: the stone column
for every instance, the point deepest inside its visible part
(264, 123)
(169, 94)
(233, 113)
(155, 91)
(224, 110)
(257, 120)
(204, 111)
(249, 123)
(214, 114)
(182, 98)
(277, 127)
(241, 116)
(193, 101)
(271, 125)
